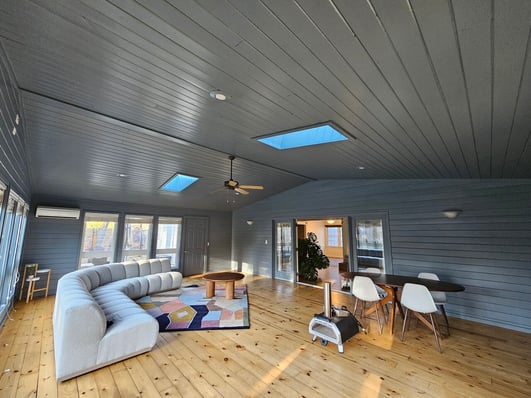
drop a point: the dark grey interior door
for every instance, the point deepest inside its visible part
(195, 232)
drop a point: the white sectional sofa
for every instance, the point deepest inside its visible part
(95, 320)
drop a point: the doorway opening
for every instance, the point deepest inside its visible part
(332, 237)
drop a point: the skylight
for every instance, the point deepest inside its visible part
(313, 135)
(178, 183)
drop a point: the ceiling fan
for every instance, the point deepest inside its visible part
(235, 185)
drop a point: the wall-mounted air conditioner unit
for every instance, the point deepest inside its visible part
(57, 212)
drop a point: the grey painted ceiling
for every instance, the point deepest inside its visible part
(426, 89)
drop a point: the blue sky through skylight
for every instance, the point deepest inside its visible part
(314, 135)
(178, 183)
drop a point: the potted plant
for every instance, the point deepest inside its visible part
(311, 258)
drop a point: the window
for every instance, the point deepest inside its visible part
(283, 248)
(334, 236)
(137, 237)
(178, 183)
(169, 239)
(13, 220)
(323, 133)
(370, 244)
(99, 238)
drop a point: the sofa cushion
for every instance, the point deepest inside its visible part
(104, 274)
(131, 269)
(133, 335)
(117, 271)
(157, 266)
(144, 268)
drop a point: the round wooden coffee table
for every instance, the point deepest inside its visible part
(228, 277)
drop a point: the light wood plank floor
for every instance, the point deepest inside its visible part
(276, 357)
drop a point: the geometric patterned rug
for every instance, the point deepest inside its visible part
(188, 309)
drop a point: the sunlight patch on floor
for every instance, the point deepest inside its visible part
(275, 372)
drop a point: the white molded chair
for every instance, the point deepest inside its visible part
(364, 289)
(417, 298)
(381, 292)
(438, 297)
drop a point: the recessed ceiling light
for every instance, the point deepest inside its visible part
(219, 95)
(323, 133)
(178, 183)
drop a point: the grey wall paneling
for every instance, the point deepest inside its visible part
(13, 167)
(487, 248)
(55, 244)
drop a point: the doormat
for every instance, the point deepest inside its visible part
(188, 309)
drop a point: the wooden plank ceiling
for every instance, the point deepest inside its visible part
(426, 89)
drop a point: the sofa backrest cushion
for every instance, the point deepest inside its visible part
(131, 269)
(144, 268)
(103, 274)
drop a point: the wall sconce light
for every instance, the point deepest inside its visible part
(452, 213)
(249, 222)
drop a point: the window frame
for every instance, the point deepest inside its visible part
(12, 231)
(177, 250)
(112, 256)
(387, 257)
(137, 253)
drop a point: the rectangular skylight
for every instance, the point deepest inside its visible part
(313, 135)
(178, 183)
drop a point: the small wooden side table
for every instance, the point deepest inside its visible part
(228, 277)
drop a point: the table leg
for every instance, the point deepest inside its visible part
(210, 288)
(229, 290)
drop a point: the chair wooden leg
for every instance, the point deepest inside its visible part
(384, 308)
(404, 325)
(435, 332)
(355, 306)
(443, 310)
(380, 328)
(29, 296)
(48, 283)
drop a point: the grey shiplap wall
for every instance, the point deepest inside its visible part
(487, 248)
(13, 167)
(55, 244)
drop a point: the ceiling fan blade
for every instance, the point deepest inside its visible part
(252, 186)
(241, 191)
